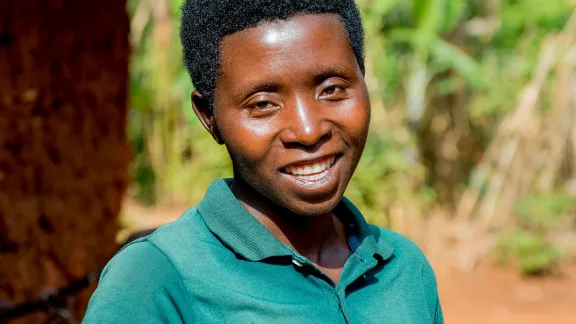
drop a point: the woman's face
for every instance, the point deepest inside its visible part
(292, 108)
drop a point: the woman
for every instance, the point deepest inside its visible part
(280, 84)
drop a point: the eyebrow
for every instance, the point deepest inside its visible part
(264, 86)
(331, 71)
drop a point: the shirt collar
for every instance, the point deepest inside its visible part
(245, 235)
(369, 244)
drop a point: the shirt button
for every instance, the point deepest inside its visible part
(297, 263)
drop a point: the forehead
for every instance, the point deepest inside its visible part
(286, 45)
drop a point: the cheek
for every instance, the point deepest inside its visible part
(360, 122)
(247, 141)
(355, 121)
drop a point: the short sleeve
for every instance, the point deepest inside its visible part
(438, 318)
(139, 285)
(431, 286)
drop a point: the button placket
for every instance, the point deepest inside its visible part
(342, 306)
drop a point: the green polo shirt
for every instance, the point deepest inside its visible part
(218, 264)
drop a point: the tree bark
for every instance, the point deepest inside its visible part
(63, 153)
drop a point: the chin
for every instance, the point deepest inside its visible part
(315, 209)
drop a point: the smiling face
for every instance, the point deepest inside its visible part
(292, 108)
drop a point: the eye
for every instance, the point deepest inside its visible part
(262, 108)
(331, 90)
(263, 105)
(334, 92)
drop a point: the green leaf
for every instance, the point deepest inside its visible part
(428, 15)
(380, 8)
(451, 56)
(421, 9)
(442, 51)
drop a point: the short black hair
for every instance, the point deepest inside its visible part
(206, 22)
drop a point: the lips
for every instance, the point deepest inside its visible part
(311, 171)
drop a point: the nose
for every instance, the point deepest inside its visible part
(306, 124)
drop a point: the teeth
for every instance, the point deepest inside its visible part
(313, 171)
(314, 177)
(317, 167)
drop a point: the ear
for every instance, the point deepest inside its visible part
(201, 106)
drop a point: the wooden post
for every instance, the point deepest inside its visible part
(63, 153)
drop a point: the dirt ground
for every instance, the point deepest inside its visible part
(489, 294)
(494, 295)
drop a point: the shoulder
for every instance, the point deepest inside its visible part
(141, 283)
(138, 285)
(135, 257)
(138, 269)
(409, 259)
(136, 260)
(188, 229)
(163, 254)
(406, 252)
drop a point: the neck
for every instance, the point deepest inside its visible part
(308, 235)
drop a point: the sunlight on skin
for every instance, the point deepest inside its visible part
(281, 35)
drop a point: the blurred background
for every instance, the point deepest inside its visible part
(471, 154)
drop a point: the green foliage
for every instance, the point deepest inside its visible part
(388, 174)
(527, 246)
(543, 212)
(521, 17)
(413, 30)
(530, 252)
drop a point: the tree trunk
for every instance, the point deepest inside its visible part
(63, 152)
